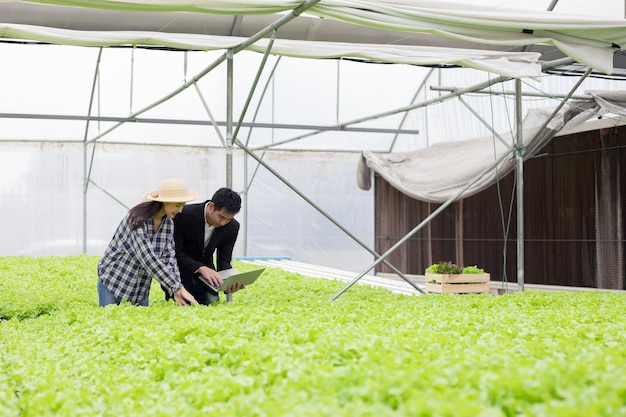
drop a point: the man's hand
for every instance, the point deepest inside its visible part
(183, 297)
(210, 275)
(235, 287)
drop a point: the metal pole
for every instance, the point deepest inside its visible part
(424, 222)
(246, 180)
(439, 99)
(513, 93)
(344, 125)
(250, 41)
(447, 203)
(86, 166)
(254, 84)
(520, 152)
(484, 122)
(406, 115)
(229, 119)
(319, 209)
(519, 172)
(218, 132)
(189, 122)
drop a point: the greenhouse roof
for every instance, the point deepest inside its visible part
(481, 34)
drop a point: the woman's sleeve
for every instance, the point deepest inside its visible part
(144, 252)
(170, 255)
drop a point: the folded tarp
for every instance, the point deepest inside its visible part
(440, 172)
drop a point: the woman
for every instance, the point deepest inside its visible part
(142, 248)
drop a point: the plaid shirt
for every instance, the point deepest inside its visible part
(134, 257)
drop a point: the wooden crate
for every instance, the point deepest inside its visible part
(457, 283)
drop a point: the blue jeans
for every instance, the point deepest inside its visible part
(106, 297)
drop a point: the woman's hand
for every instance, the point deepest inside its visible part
(183, 297)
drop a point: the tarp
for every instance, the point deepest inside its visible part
(440, 172)
(509, 64)
(588, 40)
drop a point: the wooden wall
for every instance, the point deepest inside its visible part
(574, 218)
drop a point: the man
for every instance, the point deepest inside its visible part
(200, 231)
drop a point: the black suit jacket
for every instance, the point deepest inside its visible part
(189, 239)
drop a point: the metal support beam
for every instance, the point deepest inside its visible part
(520, 153)
(519, 188)
(254, 84)
(424, 222)
(483, 121)
(258, 125)
(456, 93)
(248, 181)
(406, 115)
(513, 93)
(229, 120)
(87, 166)
(343, 126)
(328, 216)
(243, 45)
(519, 172)
(210, 114)
(447, 203)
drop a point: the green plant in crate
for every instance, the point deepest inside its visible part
(472, 270)
(444, 267)
(449, 268)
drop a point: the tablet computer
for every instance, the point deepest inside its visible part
(245, 278)
(232, 276)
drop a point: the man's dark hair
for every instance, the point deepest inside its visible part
(225, 198)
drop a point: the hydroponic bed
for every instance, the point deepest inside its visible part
(282, 348)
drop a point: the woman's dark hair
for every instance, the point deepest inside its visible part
(139, 214)
(225, 198)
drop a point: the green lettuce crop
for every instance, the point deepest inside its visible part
(282, 348)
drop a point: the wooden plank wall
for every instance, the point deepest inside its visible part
(574, 217)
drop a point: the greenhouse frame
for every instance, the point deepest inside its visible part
(283, 101)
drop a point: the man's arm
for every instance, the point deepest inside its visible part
(225, 254)
(227, 245)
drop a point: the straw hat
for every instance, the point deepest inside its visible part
(172, 191)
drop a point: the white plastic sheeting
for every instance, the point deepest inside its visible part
(43, 191)
(43, 200)
(281, 223)
(41, 184)
(442, 171)
(588, 40)
(510, 64)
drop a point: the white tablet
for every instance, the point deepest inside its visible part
(232, 276)
(245, 278)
